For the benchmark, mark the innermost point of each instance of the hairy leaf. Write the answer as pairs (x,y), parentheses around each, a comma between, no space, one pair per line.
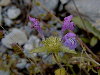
(87,26)
(93,41)
(65,49)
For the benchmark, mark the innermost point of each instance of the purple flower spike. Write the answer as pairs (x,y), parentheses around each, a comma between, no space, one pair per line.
(69,18)
(71,43)
(67,24)
(36,25)
(70,40)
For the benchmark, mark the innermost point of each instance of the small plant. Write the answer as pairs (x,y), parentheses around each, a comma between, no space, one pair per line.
(66,44)
(52,45)
(55,44)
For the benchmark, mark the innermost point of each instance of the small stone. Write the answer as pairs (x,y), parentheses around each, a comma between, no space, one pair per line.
(50,4)
(8,22)
(27,29)
(13,12)
(32,43)
(16,36)
(2,49)
(28,46)
(34,40)
(21,63)
(5,2)
(39,11)
(4,72)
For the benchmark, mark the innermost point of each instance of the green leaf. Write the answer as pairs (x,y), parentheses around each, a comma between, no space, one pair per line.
(38,50)
(65,49)
(60,71)
(93,41)
(87,26)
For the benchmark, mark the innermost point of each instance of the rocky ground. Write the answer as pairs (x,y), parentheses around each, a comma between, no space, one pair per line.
(15,28)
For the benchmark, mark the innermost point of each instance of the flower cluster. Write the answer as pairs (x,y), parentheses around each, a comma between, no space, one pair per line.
(53,44)
(67,24)
(70,40)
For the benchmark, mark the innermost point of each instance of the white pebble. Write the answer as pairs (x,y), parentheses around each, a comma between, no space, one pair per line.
(34,40)
(22,63)
(28,46)
(16,36)
(13,12)
(8,21)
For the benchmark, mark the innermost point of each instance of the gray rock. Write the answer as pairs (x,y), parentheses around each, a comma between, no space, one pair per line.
(50,4)
(38,10)
(27,29)
(2,49)
(90,9)
(21,63)
(13,12)
(34,40)
(4,72)
(5,2)
(64,1)
(8,21)
(28,47)
(16,36)
(31,44)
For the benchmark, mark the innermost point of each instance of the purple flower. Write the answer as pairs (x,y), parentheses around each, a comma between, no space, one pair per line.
(70,40)
(36,25)
(69,18)
(67,24)
(69,35)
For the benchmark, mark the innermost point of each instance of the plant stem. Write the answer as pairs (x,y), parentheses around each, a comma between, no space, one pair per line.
(54,55)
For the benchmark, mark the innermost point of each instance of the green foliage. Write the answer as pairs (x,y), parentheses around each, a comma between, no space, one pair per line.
(66,49)
(60,71)
(87,26)
(93,41)
(85,40)
(52,45)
